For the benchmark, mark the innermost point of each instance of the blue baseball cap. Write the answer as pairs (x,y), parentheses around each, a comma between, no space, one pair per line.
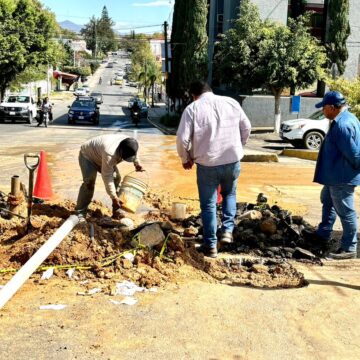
(332,98)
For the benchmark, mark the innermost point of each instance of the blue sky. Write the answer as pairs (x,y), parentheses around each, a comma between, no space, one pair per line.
(127,14)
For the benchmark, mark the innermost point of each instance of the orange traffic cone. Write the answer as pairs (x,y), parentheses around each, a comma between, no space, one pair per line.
(43,188)
(219,197)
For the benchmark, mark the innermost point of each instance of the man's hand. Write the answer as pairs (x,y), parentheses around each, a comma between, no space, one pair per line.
(116,203)
(188,165)
(138,167)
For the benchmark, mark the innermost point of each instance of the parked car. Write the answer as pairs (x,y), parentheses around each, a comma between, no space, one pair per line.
(98,97)
(84,110)
(144,109)
(80,92)
(110,65)
(306,132)
(18,107)
(87,89)
(118,80)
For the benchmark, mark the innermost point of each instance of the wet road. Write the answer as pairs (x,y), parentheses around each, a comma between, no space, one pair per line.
(289,182)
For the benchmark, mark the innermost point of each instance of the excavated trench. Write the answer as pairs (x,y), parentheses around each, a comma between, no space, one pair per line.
(267,240)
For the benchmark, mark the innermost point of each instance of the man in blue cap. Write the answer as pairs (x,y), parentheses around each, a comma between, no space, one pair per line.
(338,169)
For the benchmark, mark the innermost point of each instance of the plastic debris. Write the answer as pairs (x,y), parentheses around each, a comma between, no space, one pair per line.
(89,292)
(47,274)
(127,288)
(53,307)
(128,300)
(129,256)
(70,273)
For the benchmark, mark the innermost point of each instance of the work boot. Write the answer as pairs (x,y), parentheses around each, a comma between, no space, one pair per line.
(207,251)
(341,254)
(226,238)
(314,237)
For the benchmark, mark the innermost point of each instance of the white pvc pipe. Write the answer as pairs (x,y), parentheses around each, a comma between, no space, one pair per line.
(36,260)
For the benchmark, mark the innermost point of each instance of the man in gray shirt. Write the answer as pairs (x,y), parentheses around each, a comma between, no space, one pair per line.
(102,154)
(212,132)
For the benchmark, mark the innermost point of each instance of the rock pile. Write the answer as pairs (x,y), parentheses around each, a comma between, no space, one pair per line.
(266,231)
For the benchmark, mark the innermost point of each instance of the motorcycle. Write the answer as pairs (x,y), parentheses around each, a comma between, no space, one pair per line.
(135,117)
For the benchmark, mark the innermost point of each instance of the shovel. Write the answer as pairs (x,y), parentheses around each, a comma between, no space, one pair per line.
(31,162)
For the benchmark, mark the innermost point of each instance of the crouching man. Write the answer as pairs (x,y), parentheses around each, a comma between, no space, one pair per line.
(101,154)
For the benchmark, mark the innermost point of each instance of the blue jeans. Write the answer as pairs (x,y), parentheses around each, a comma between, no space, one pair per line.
(339,200)
(208,180)
(89,172)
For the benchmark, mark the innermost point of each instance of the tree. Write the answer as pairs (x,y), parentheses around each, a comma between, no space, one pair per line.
(145,69)
(89,32)
(106,34)
(26,30)
(189,42)
(339,31)
(99,35)
(260,53)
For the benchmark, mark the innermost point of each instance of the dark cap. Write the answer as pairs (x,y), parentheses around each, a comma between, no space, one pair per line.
(128,149)
(332,98)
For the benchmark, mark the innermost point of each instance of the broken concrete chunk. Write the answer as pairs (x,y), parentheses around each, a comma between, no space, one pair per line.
(252,215)
(175,242)
(151,235)
(191,231)
(300,253)
(268,226)
(127,223)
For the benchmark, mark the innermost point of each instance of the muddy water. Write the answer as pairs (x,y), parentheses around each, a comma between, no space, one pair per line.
(287,183)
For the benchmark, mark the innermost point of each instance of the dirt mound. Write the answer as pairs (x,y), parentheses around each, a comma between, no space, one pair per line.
(104,248)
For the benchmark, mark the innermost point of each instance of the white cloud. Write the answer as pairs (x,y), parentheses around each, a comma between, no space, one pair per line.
(155,3)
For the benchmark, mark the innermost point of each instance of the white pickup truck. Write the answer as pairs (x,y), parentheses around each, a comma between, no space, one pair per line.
(18,107)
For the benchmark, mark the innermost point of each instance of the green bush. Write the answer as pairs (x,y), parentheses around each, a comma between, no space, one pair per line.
(350,89)
(170,120)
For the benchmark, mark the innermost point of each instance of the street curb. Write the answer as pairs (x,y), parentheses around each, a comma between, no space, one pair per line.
(163,129)
(301,154)
(260,158)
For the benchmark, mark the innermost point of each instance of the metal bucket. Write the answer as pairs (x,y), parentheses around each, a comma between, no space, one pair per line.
(131,192)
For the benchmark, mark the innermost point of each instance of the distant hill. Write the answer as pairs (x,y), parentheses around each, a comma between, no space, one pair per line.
(68,25)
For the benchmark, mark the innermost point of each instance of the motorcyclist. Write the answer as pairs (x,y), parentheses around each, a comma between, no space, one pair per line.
(135,111)
(45,106)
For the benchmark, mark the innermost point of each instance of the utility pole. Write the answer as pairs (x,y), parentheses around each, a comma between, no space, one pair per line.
(166,63)
(145,91)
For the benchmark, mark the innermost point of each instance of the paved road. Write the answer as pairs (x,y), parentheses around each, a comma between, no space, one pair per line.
(61,141)
(114,113)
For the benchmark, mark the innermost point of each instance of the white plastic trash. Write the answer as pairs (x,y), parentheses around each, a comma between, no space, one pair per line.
(178,211)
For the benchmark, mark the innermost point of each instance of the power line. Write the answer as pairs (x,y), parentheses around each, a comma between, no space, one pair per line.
(137,27)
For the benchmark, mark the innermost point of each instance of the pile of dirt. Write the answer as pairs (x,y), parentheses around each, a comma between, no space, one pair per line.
(151,254)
